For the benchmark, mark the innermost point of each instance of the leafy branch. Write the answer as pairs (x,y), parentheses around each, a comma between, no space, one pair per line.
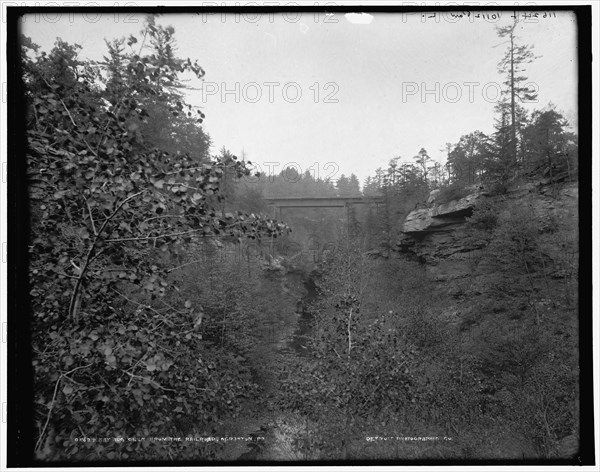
(75,296)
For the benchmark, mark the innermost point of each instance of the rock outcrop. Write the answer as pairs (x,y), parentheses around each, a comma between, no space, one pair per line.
(440,216)
(491,304)
(439,236)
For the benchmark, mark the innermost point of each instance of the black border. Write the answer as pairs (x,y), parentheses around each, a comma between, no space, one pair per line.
(20,440)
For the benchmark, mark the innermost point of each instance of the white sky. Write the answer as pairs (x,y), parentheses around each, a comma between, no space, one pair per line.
(372,69)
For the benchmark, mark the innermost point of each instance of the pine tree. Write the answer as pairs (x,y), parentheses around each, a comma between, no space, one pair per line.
(512,66)
(354,186)
(343,186)
(423,161)
(547,142)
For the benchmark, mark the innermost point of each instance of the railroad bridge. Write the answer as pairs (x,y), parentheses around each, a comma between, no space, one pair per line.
(314,250)
(276,205)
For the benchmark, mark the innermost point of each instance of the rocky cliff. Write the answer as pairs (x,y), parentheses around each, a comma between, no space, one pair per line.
(439,236)
(504,268)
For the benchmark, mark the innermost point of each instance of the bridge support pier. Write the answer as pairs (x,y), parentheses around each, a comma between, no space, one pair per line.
(275,212)
(347,208)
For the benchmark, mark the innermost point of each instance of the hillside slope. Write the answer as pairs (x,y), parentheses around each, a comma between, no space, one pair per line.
(505,268)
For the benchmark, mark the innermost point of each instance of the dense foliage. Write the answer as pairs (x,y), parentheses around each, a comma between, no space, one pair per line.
(164,301)
(115,207)
(490,362)
(489,359)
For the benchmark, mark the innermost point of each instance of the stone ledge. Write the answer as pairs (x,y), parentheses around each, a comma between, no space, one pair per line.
(440,216)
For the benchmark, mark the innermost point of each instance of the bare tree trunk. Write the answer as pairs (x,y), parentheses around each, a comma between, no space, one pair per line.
(512,100)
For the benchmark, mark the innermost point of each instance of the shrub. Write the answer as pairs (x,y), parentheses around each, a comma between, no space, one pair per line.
(485,216)
(452,192)
(498,188)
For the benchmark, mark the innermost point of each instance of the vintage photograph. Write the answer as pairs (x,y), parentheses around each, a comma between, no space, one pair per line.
(299,235)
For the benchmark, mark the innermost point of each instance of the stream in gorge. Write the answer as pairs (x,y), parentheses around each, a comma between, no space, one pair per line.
(289,339)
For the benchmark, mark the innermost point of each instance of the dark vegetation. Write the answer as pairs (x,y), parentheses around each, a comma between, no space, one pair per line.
(118,210)
(493,365)
(143,325)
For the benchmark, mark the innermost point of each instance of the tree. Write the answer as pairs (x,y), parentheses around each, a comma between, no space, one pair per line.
(422,160)
(342,186)
(354,186)
(546,143)
(110,218)
(436,171)
(150,67)
(467,159)
(401,186)
(512,65)
(370,187)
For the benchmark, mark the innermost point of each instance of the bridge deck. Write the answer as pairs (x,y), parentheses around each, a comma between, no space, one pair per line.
(320,202)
